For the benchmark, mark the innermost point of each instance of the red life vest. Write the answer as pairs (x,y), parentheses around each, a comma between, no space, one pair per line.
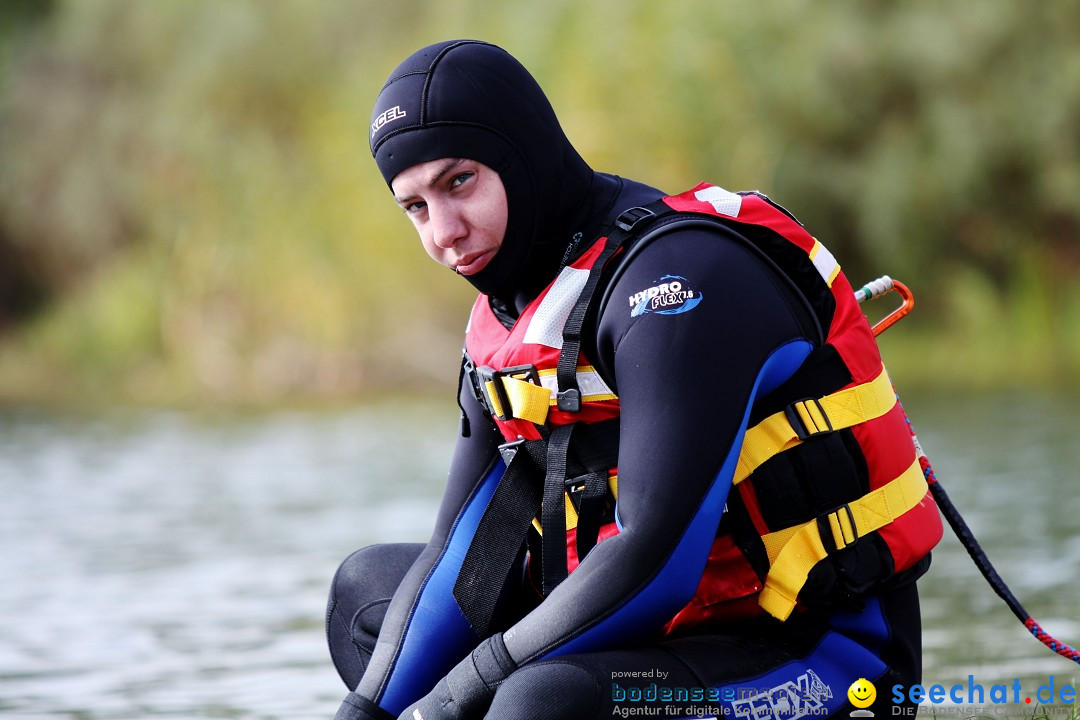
(870,517)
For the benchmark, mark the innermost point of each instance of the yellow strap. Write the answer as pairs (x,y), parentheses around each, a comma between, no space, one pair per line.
(842,409)
(528,401)
(794,551)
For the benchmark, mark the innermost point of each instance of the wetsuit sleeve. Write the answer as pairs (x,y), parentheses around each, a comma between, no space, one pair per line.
(424,633)
(685,381)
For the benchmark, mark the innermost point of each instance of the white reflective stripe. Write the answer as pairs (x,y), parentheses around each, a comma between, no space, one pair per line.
(824,262)
(723,201)
(546,326)
(590,383)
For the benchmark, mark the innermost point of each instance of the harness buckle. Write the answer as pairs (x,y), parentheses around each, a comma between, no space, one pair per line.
(632,217)
(491,378)
(568,400)
(469,368)
(798,420)
(828,538)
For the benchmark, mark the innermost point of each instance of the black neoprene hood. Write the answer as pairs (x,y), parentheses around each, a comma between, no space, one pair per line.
(469,99)
(433,107)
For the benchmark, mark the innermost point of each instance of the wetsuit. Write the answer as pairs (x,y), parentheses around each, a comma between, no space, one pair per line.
(591,648)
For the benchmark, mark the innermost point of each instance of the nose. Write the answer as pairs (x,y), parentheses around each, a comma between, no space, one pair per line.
(447,225)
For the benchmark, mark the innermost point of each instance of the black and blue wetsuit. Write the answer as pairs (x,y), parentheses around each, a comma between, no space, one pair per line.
(685,382)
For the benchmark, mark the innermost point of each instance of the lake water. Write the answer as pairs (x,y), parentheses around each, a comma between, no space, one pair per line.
(172,565)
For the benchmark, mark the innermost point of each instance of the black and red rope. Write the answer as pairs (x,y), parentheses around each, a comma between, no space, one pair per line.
(982,562)
(877,288)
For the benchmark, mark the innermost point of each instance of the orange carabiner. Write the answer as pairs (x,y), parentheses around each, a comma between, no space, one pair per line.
(881,286)
(891,319)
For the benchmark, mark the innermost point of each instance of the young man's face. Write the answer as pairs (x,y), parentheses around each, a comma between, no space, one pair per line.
(459,208)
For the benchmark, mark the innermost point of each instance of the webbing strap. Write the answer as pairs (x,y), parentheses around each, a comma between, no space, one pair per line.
(794,551)
(842,409)
(588,488)
(531,399)
(553,517)
(591,504)
(528,401)
(568,396)
(595,453)
(500,534)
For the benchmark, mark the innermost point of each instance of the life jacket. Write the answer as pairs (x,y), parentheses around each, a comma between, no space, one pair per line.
(829,502)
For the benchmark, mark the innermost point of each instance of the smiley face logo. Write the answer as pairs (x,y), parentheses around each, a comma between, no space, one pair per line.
(862,693)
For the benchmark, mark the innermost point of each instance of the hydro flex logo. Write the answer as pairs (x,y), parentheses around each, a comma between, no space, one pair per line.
(670,295)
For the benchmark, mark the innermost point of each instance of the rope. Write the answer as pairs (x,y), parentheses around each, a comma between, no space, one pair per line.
(959,526)
(1048,640)
(982,562)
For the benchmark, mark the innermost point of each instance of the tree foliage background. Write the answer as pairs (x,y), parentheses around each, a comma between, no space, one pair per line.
(189,213)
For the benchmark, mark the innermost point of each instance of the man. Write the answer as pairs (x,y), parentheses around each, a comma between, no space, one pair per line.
(683,485)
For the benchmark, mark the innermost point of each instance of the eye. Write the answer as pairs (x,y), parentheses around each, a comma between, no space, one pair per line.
(414,208)
(461,178)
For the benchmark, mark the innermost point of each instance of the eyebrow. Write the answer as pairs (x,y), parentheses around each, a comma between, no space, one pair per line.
(439,175)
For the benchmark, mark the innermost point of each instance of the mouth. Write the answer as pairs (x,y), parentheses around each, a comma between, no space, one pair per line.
(472,264)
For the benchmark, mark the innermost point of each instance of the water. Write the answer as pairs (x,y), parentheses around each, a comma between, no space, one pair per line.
(1011,465)
(161,564)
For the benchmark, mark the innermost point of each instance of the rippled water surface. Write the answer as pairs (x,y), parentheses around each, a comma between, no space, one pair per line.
(162,564)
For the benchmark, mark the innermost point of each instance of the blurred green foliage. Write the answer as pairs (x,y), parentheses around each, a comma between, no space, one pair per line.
(189,213)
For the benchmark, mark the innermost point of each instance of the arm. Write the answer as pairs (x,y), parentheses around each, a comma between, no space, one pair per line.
(424,633)
(685,382)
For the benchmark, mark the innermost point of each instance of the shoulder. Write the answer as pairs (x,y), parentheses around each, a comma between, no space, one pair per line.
(717,255)
(730,236)
(684,255)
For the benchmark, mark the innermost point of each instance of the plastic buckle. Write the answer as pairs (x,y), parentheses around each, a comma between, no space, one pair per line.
(487,375)
(474,380)
(490,375)
(568,400)
(795,420)
(828,540)
(630,218)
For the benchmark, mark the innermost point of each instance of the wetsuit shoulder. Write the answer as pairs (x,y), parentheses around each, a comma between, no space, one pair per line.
(682,268)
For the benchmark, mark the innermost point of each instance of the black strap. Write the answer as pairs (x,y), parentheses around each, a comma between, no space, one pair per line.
(568,397)
(500,534)
(596,447)
(463,372)
(591,505)
(553,514)
(504,525)
(595,451)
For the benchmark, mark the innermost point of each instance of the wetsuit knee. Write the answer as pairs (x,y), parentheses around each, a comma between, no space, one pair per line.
(359,596)
(548,690)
